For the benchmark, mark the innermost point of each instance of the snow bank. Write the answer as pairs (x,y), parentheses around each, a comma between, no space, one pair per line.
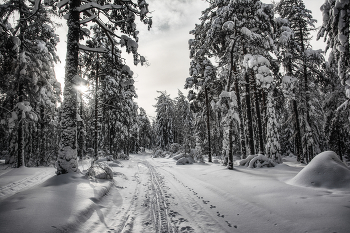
(56,205)
(326,170)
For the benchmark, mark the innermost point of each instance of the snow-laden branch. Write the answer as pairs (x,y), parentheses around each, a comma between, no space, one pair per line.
(87,19)
(35,10)
(62,3)
(95,50)
(100,23)
(95,5)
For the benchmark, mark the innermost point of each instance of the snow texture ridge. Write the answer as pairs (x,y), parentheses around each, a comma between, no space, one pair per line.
(326,170)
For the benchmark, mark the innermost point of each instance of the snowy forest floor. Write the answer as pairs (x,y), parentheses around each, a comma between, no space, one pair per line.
(156,195)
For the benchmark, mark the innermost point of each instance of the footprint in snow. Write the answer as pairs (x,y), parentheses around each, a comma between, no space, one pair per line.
(212,206)
(228,224)
(205,202)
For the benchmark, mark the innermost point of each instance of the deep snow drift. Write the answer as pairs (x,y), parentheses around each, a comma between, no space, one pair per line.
(326,170)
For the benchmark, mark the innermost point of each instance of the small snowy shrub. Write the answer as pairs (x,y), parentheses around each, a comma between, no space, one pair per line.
(185,160)
(257,161)
(100,171)
(174,147)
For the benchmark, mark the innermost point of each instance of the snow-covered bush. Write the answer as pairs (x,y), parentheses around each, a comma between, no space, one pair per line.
(185,160)
(257,161)
(175,147)
(122,156)
(100,170)
(179,156)
(161,154)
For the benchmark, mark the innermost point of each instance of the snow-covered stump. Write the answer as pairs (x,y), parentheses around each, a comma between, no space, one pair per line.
(257,161)
(100,170)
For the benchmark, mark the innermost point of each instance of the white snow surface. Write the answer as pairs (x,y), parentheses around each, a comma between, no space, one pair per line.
(325,170)
(199,197)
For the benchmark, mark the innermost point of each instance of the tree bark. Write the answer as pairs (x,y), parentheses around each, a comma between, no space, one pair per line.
(96,111)
(67,155)
(258,116)
(20,130)
(208,123)
(249,114)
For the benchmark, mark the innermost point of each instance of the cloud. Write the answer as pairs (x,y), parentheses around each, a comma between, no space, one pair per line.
(172,14)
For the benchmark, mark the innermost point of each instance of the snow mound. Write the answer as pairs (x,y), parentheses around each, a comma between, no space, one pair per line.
(100,171)
(257,161)
(185,160)
(326,170)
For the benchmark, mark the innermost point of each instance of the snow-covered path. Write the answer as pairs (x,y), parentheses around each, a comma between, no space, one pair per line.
(210,198)
(151,195)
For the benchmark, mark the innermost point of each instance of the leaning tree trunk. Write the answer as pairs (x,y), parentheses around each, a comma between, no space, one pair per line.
(208,123)
(67,154)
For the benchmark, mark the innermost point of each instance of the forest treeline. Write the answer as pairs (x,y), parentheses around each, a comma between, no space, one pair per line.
(257,86)
(37,128)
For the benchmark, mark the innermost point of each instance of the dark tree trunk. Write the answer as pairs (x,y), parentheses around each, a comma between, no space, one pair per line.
(80,130)
(20,130)
(42,136)
(297,128)
(258,116)
(96,111)
(67,155)
(208,123)
(249,114)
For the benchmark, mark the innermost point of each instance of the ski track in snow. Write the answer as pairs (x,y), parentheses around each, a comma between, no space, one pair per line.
(25,183)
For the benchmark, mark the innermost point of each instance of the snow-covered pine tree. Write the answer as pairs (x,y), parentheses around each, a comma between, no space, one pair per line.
(306,62)
(336,32)
(164,120)
(28,67)
(121,16)
(145,129)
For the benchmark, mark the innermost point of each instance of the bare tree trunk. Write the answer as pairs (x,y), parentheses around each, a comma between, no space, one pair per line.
(20,130)
(42,136)
(67,155)
(249,114)
(258,116)
(208,123)
(96,111)
(80,130)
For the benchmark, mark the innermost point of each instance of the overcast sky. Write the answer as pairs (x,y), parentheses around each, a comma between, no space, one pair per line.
(166,48)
